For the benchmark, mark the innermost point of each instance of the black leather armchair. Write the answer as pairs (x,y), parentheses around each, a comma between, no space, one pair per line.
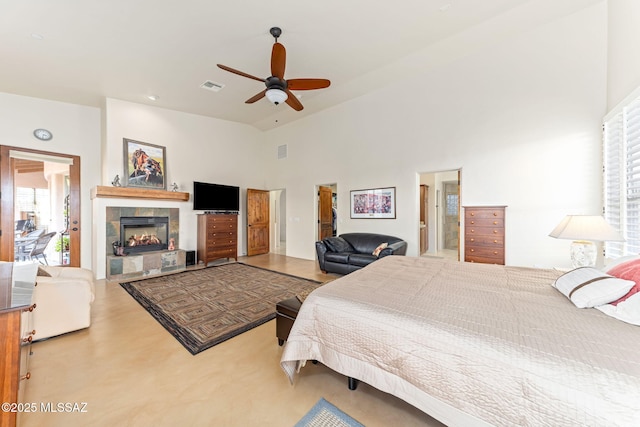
(352,251)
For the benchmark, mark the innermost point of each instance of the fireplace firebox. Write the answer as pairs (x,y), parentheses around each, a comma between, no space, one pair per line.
(144,233)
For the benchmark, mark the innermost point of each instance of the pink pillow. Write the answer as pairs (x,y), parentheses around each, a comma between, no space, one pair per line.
(629,270)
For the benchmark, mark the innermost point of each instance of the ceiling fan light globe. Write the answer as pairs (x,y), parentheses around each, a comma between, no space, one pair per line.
(276,96)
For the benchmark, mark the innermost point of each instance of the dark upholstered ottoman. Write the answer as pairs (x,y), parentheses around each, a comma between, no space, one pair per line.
(286,312)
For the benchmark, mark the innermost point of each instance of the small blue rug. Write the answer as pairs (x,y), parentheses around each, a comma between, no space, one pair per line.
(324,414)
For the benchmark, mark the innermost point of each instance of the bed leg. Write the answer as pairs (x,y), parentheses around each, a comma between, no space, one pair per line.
(280,342)
(353,383)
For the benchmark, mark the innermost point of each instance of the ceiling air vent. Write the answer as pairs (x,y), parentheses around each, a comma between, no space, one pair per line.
(209,85)
(282,152)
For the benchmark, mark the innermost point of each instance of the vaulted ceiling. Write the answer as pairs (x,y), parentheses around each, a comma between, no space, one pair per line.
(85,51)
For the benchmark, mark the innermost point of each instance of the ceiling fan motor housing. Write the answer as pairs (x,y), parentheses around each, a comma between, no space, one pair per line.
(275,83)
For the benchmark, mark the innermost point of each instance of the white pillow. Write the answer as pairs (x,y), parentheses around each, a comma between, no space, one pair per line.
(627,310)
(589,287)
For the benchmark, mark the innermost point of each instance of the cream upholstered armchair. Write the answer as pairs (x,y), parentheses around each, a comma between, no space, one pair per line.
(63,300)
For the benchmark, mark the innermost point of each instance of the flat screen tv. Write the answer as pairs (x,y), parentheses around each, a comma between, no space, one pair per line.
(215,197)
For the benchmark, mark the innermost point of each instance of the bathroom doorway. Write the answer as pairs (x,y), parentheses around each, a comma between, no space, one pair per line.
(439,223)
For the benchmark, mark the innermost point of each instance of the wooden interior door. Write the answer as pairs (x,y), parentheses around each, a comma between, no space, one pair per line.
(7,216)
(325,213)
(257,222)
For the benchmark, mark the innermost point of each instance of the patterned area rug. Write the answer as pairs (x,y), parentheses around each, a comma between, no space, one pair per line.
(325,414)
(202,308)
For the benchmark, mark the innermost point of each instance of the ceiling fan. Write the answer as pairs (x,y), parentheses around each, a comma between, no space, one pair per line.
(278,89)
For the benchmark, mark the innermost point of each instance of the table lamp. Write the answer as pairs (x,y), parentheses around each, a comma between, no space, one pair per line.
(584,230)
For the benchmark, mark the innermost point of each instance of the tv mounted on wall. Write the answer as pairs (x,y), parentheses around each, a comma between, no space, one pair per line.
(215,197)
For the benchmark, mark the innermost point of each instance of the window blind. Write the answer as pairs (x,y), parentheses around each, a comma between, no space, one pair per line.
(621,157)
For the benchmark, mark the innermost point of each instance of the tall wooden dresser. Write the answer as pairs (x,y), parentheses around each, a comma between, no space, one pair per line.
(484,232)
(217,237)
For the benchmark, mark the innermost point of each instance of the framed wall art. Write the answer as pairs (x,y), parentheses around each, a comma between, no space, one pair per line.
(373,203)
(144,165)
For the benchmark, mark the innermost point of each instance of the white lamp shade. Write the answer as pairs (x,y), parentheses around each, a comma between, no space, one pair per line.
(276,96)
(586,227)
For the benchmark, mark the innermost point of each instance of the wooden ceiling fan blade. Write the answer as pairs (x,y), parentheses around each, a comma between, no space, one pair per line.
(240,73)
(293,101)
(307,84)
(278,60)
(256,97)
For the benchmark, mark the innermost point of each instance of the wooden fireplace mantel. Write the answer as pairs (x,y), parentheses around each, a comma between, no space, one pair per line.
(138,193)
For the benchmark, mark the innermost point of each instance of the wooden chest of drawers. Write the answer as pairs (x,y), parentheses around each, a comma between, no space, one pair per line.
(484,234)
(217,237)
(15,340)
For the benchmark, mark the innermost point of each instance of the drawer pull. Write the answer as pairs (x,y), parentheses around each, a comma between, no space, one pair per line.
(495,241)
(495,214)
(472,250)
(495,252)
(472,231)
(473,213)
(473,222)
(473,240)
(495,231)
(495,222)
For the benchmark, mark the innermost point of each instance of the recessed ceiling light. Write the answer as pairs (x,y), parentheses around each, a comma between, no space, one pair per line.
(153,97)
(37,36)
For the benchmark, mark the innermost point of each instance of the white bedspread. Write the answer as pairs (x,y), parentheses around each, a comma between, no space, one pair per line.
(496,343)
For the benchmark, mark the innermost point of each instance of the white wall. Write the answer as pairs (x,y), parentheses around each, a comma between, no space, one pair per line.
(521,119)
(197,148)
(623,47)
(76,131)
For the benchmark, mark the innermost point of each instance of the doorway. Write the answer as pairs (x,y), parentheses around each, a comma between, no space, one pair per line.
(278,216)
(258,221)
(266,222)
(327,211)
(439,224)
(40,197)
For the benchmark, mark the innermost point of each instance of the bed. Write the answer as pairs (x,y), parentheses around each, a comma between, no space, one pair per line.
(472,344)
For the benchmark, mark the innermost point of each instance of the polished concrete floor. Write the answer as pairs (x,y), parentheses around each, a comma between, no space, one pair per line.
(131,372)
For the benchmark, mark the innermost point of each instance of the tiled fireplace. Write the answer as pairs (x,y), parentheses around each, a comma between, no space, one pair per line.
(109,204)
(144,233)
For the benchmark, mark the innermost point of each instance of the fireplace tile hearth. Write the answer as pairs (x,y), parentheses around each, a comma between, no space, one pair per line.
(145,264)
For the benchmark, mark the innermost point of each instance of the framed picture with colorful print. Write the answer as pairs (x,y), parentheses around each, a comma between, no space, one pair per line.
(373,203)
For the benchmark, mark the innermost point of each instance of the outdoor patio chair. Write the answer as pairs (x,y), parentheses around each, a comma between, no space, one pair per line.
(39,247)
(24,244)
